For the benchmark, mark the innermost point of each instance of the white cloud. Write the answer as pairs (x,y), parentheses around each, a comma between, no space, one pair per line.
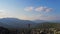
(29,8)
(42,8)
(1,10)
(48,9)
(3,14)
(39,9)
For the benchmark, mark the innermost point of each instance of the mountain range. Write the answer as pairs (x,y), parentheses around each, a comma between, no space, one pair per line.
(18,23)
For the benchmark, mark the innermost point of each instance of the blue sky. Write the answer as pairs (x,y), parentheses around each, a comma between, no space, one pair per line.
(30,9)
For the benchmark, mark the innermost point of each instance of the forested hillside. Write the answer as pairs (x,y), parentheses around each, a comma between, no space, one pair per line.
(48,25)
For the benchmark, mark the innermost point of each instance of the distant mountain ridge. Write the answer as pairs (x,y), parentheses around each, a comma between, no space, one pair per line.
(18,23)
(39,21)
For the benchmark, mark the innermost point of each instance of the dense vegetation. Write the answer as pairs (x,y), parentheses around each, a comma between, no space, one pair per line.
(39,25)
(48,25)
